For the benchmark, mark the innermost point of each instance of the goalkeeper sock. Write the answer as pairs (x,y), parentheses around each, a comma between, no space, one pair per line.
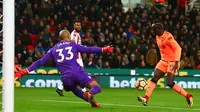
(84,89)
(149,90)
(179,90)
(60,87)
(95,89)
(79,93)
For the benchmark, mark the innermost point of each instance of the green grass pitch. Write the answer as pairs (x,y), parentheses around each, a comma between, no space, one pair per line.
(111,100)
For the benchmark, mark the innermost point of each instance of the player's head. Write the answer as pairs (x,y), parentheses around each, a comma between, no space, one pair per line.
(158,28)
(64,35)
(77,25)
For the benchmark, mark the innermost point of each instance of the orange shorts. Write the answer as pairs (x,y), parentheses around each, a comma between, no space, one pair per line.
(166,66)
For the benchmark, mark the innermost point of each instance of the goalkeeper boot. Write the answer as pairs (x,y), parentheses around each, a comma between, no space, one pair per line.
(60,92)
(143,100)
(95,104)
(90,97)
(189,99)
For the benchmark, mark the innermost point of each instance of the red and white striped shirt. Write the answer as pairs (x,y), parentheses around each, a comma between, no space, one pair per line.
(77,39)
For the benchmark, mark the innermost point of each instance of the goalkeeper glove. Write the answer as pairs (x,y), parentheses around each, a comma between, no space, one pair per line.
(107,49)
(21,73)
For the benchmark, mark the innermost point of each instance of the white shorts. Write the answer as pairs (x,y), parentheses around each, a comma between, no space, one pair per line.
(80,62)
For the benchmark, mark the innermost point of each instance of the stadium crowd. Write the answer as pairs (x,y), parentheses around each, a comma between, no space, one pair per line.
(38,23)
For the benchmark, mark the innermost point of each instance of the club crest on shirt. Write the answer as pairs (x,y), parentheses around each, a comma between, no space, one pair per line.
(169,38)
(162,46)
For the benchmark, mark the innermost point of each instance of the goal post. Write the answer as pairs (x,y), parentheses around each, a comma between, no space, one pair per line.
(8,55)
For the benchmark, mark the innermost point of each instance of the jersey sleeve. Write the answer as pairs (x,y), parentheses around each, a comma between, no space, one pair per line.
(83,49)
(175,46)
(41,61)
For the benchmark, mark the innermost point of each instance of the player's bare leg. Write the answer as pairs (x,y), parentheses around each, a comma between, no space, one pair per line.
(151,86)
(94,89)
(178,89)
(59,89)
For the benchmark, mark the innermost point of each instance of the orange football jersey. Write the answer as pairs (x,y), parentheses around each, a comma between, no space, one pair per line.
(169,48)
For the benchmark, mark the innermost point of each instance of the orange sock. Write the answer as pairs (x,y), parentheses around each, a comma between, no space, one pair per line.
(180,90)
(150,89)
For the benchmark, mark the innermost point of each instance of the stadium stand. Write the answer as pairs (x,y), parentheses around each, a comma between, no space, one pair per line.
(38,23)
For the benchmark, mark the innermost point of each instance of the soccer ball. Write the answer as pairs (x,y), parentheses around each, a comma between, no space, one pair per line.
(141,84)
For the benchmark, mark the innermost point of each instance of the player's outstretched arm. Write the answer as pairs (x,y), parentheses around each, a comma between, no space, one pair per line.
(83,49)
(35,65)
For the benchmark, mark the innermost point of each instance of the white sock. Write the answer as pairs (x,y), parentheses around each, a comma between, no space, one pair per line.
(60,86)
(84,89)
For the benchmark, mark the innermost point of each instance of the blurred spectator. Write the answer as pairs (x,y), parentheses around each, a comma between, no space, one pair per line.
(184,60)
(142,63)
(21,25)
(172,4)
(138,9)
(17,66)
(40,39)
(39,47)
(107,65)
(151,57)
(198,63)
(137,53)
(125,59)
(37,55)
(123,64)
(99,63)
(29,10)
(198,19)
(190,64)
(52,26)
(33,28)
(90,63)
(117,61)
(133,63)
(19,46)
(181,5)
(193,15)
(20,59)
(26,38)
(29,60)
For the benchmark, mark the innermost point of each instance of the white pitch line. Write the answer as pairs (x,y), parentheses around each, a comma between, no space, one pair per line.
(125,105)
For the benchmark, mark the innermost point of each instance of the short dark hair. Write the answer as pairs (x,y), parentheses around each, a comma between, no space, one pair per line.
(157,25)
(77,21)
